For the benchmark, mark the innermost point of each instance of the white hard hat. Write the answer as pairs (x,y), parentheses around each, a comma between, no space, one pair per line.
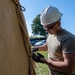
(50,15)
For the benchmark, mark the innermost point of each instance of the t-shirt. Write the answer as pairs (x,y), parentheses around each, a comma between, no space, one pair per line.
(64,42)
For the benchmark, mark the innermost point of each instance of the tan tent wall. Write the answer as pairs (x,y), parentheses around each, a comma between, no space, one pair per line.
(15,50)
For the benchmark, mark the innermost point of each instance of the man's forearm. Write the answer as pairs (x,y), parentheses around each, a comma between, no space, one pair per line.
(59,65)
(43,47)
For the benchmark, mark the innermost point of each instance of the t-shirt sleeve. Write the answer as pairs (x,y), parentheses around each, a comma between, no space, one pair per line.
(68,45)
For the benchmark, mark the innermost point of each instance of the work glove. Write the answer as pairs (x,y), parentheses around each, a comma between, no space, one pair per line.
(35,49)
(36,57)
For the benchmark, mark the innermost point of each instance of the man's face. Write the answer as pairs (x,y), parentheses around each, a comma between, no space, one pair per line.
(50,28)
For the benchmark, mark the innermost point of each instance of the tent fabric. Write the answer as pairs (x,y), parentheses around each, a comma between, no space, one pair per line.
(15,50)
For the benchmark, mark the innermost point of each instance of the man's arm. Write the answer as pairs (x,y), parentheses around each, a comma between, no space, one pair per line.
(65,66)
(43,47)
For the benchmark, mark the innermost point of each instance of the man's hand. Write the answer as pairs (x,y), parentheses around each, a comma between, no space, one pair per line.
(37,56)
(34,49)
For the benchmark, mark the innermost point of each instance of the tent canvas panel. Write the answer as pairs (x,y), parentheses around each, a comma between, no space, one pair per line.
(14,59)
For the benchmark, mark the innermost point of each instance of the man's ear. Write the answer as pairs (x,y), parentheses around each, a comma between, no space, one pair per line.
(58,23)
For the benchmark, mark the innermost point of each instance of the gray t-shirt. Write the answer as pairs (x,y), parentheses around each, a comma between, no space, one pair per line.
(62,43)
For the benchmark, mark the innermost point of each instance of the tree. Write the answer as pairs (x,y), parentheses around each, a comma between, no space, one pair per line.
(37,28)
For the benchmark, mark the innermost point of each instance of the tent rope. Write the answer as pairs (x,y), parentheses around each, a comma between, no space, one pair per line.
(25,35)
(23,28)
(18,4)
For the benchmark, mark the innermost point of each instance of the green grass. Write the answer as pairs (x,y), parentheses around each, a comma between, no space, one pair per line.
(41,69)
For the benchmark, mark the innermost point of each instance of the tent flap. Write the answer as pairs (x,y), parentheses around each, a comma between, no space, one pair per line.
(15,50)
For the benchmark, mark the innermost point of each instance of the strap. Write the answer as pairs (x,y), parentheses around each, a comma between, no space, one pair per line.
(16,2)
(22,24)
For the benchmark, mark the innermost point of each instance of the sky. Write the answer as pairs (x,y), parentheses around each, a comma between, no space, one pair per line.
(35,7)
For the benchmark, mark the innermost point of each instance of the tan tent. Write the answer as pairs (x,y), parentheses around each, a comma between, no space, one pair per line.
(15,50)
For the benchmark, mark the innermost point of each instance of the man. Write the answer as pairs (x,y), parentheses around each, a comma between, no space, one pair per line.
(60,44)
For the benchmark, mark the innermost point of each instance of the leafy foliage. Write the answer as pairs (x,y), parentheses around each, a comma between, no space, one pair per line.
(37,28)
